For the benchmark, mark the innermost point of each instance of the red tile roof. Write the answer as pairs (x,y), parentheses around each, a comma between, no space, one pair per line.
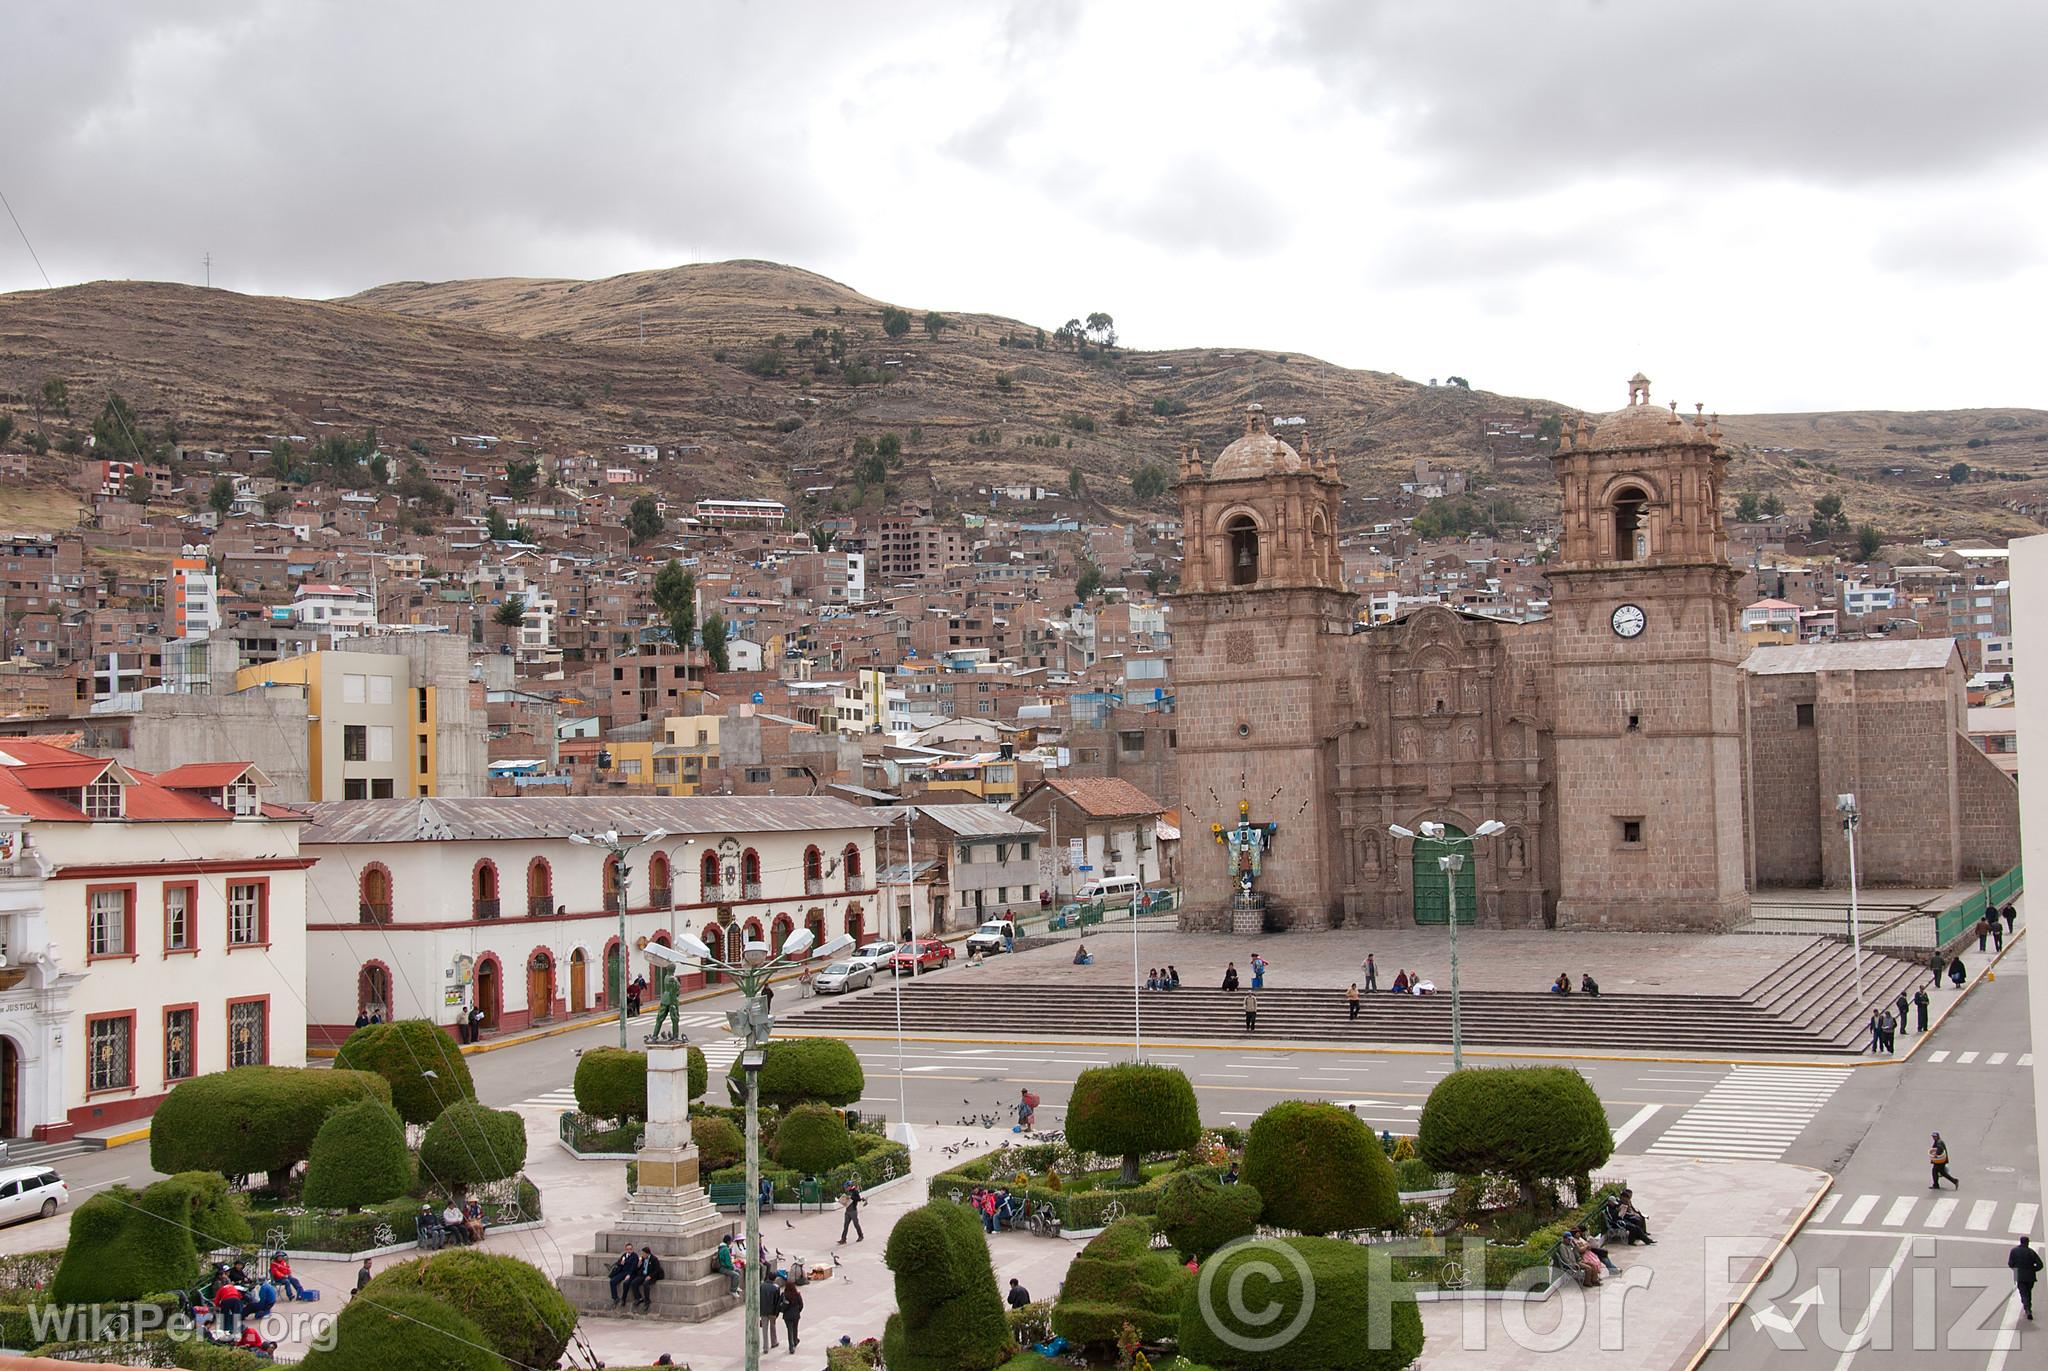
(202,775)
(36,778)
(1106,797)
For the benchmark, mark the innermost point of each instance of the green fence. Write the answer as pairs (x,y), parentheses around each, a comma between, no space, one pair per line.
(1957,920)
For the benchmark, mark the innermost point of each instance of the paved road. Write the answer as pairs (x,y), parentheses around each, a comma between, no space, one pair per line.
(1908,1276)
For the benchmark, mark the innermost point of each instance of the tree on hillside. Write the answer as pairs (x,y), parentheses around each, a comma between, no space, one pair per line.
(1868,542)
(1150,481)
(1458,381)
(715,634)
(1075,482)
(1771,505)
(1959,473)
(495,526)
(380,469)
(1828,518)
(822,538)
(675,599)
(895,322)
(1746,507)
(117,433)
(6,429)
(935,323)
(511,614)
(521,475)
(1102,329)
(1089,582)
(55,397)
(644,520)
(889,447)
(221,498)
(136,488)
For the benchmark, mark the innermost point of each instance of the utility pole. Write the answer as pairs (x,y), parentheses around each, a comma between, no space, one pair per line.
(208,261)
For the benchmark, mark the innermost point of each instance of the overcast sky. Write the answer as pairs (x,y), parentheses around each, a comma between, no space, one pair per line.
(1765,205)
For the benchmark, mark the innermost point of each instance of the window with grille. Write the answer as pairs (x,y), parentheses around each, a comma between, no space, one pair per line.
(177,918)
(242,800)
(248,1033)
(109,1047)
(177,1044)
(103,799)
(355,743)
(245,914)
(107,923)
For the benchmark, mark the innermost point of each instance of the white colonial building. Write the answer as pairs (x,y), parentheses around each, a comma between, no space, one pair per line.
(423,908)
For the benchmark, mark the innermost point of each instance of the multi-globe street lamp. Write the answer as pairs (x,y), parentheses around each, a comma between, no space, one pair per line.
(1450,863)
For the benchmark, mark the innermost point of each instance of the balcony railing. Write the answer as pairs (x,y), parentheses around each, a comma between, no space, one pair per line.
(713,894)
(374,913)
(484,909)
(856,882)
(660,896)
(750,890)
(814,885)
(539,905)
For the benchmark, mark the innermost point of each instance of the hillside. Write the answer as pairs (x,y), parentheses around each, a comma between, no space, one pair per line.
(773,372)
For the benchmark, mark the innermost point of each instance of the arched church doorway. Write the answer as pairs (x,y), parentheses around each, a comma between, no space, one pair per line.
(10,1089)
(1432,895)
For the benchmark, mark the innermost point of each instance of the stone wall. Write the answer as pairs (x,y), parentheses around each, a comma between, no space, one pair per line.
(1990,819)
(1784,782)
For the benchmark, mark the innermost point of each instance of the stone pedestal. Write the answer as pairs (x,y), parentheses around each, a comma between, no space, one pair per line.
(669,1212)
(1247,914)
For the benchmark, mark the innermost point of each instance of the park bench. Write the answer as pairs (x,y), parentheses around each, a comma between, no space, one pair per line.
(728,1194)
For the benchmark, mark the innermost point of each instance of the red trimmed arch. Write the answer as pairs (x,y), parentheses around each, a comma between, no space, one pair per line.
(373,892)
(484,890)
(849,862)
(604,998)
(707,877)
(814,869)
(815,921)
(856,921)
(779,930)
(375,988)
(750,869)
(540,959)
(661,892)
(540,887)
(753,933)
(488,991)
(715,937)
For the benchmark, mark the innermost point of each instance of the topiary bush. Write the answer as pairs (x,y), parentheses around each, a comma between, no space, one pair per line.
(402,1052)
(1318,1169)
(700,1073)
(359,1157)
(1532,1123)
(611,1083)
(471,1144)
(404,1328)
(719,1143)
(1119,1278)
(253,1118)
(524,1319)
(803,1070)
(949,1316)
(126,1244)
(1350,1317)
(1130,1109)
(812,1138)
(1199,1214)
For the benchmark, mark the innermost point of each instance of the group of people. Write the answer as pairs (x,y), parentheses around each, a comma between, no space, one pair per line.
(633,1277)
(780,1297)
(1230,977)
(1886,1021)
(1162,978)
(998,1208)
(1587,985)
(454,1224)
(227,1307)
(1989,926)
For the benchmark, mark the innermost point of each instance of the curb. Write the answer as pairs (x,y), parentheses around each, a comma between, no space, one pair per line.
(1735,1306)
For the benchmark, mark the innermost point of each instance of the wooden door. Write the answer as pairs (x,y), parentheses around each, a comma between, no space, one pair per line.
(487,992)
(576,990)
(539,992)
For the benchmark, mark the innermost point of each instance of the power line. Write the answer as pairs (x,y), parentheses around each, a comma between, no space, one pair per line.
(24,239)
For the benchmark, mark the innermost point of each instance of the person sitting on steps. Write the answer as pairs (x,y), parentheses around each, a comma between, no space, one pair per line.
(1082,957)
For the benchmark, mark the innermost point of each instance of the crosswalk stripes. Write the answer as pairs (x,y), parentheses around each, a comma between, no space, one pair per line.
(1979,1058)
(1944,1213)
(1753,1113)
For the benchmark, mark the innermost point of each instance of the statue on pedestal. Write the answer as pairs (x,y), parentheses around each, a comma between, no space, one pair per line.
(671,1012)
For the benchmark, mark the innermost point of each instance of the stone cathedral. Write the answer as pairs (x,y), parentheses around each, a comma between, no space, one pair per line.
(1646,775)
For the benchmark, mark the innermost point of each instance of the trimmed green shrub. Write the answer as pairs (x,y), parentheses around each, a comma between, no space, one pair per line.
(252,1118)
(611,1083)
(812,1138)
(949,1316)
(719,1144)
(205,1356)
(359,1158)
(1319,1169)
(1350,1320)
(1119,1278)
(700,1073)
(128,1244)
(404,1328)
(402,1052)
(1532,1123)
(1130,1109)
(1200,1214)
(802,1070)
(524,1319)
(217,1216)
(470,1144)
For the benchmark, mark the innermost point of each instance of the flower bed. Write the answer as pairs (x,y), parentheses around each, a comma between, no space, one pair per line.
(1083,1198)
(1438,1241)
(591,1137)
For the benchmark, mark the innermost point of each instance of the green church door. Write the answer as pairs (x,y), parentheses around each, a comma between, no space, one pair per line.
(614,979)
(1432,900)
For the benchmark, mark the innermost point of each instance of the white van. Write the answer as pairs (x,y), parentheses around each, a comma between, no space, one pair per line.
(31,1192)
(1113,892)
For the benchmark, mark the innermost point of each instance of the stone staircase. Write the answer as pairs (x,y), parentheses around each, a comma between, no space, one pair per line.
(1805,1006)
(692,1290)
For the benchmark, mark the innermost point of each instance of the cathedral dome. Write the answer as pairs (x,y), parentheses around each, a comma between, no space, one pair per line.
(1641,424)
(1258,453)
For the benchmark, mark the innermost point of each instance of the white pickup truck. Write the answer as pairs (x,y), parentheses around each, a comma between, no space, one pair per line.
(993,936)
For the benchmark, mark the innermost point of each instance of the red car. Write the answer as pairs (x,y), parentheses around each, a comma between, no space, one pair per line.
(930,954)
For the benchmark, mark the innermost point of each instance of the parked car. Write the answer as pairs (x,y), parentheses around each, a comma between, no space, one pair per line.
(993,936)
(929,954)
(31,1192)
(872,954)
(843,976)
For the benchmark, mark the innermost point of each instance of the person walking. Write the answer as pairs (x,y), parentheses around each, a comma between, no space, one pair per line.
(771,1305)
(1997,931)
(2008,913)
(1957,972)
(2026,1269)
(792,1309)
(850,1203)
(1940,965)
(1920,1010)
(1983,931)
(1372,973)
(1351,999)
(362,1277)
(1937,1158)
(1887,1032)
(1251,1012)
(1258,972)
(1900,1005)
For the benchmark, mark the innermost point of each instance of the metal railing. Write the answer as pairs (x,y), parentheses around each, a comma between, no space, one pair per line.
(484,909)
(372,912)
(658,896)
(714,894)
(539,905)
(750,890)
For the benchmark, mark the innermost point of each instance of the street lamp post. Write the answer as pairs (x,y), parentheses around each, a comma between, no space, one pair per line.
(1450,863)
(1852,819)
(751,972)
(620,850)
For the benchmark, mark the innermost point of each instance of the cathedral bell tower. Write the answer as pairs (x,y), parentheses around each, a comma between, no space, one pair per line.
(1261,596)
(1646,657)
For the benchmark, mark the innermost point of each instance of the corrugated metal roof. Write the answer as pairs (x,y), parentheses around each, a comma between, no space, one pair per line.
(977,821)
(521,817)
(1913,654)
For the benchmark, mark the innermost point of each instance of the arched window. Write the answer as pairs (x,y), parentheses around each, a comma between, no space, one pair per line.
(540,888)
(856,922)
(708,888)
(660,892)
(753,933)
(483,890)
(1244,550)
(613,896)
(849,862)
(1631,538)
(779,931)
(814,871)
(815,921)
(714,943)
(750,875)
(376,894)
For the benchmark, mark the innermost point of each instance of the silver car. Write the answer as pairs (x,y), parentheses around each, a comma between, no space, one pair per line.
(31,1192)
(841,977)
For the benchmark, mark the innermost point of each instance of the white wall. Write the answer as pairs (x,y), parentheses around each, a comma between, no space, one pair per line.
(2030,675)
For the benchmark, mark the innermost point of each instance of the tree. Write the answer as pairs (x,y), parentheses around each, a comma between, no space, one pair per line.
(513,1303)
(1771,505)
(1150,481)
(137,487)
(1131,1109)
(1827,517)
(495,526)
(1531,1123)
(359,1158)
(812,1139)
(424,1068)
(404,1328)
(715,634)
(1089,582)
(221,498)
(1319,1169)
(117,434)
(718,1140)
(472,1145)
(611,1083)
(252,1118)
(1102,328)
(1868,542)
(1746,507)
(6,428)
(1458,381)
(511,614)
(949,1316)
(1076,483)
(889,447)
(802,1070)
(127,1245)
(380,469)
(675,599)
(935,323)
(1959,473)
(521,476)
(895,322)
(1326,1291)
(276,502)
(643,520)
(1119,1278)
(56,397)
(1200,1215)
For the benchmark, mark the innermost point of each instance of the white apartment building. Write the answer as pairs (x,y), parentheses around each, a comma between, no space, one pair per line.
(1861,599)
(334,607)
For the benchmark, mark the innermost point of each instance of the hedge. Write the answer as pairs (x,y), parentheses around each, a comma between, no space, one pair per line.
(126,1244)
(1319,1169)
(611,1083)
(252,1118)
(1533,1123)
(1131,1109)
(884,1163)
(812,1138)
(949,1315)
(1199,1214)
(1328,1283)
(1077,1210)
(380,1330)
(348,1233)
(1117,1279)
(470,1144)
(719,1143)
(402,1052)
(801,1070)
(155,1349)
(359,1158)
(1503,1261)
(523,1317)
